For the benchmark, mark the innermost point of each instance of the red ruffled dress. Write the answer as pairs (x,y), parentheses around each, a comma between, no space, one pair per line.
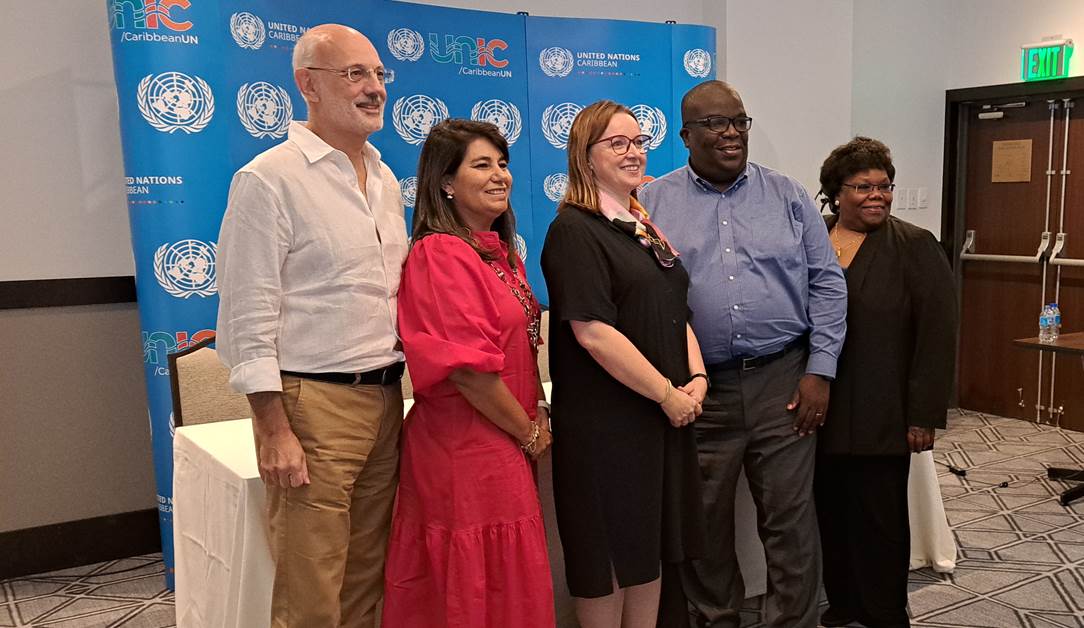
(467,547)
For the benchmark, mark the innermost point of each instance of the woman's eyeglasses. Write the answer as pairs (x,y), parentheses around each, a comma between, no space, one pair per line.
(620,143)
(865,189)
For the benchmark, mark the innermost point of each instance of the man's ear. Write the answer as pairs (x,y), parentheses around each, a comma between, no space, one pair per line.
(306,85)
(684,133)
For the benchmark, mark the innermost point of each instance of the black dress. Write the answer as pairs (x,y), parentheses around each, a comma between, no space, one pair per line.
(895,371)
(626,483)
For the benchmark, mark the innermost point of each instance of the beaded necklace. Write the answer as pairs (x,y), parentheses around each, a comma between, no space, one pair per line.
(526,299)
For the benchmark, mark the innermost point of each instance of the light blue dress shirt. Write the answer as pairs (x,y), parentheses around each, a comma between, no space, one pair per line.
(761,268)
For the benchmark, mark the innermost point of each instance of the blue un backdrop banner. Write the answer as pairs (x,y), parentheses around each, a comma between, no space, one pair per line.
(205,86)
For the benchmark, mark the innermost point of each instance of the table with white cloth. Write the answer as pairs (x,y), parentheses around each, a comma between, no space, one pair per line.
(224,569)
(223,562)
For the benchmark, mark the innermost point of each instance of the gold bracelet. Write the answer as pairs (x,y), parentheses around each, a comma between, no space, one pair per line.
(669,387)
(535,432)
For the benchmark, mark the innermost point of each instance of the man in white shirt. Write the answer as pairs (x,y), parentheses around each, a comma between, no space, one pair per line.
(309,259)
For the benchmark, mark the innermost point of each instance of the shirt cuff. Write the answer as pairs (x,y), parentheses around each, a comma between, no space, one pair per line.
(259,375)
(821,364)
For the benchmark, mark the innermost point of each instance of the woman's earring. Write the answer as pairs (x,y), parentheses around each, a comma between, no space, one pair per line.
(837,202)
(448,193)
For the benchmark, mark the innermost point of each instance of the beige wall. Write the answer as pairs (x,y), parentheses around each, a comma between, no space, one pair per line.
(74,437)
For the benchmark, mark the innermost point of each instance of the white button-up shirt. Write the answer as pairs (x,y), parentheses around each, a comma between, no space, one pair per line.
(308,266)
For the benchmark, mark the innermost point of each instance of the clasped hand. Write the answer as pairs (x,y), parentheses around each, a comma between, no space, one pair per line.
(685,403)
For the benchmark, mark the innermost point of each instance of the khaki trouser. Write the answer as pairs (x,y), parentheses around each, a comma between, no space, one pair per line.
(328,538)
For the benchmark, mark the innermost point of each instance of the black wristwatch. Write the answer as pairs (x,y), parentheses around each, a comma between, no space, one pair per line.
(703,375)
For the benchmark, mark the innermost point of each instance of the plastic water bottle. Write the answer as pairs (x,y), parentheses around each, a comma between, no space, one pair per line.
(1046,317)
(1055,323)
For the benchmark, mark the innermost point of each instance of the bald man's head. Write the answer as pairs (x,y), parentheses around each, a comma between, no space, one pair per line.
(719,156)
(339,73)
(316,40)
(706,91)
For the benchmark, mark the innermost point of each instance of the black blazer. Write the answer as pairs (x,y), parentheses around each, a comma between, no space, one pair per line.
(897,364)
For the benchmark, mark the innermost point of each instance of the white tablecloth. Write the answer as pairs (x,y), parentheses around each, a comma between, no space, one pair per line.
(224,567)
(223,564)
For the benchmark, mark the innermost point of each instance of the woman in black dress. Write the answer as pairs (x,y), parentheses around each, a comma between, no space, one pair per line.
(628,379)
(892,387)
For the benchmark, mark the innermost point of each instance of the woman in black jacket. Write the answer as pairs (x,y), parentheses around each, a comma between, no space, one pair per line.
(891,390)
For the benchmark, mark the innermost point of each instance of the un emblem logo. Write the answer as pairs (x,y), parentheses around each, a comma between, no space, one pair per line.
(504,115)
(556,62)
(405,44)
(697,62)
(555,185)
(413,116)
(652,122)
(265,110)
(247,30)
(186,268)
(521,247)
(408,187)
(557,122)
(173,101)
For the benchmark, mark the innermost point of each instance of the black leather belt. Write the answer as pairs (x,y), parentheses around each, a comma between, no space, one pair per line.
(376,377)
(748,364)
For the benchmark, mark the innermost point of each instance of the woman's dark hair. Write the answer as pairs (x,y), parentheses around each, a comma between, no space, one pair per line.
(857,155)
(441,156)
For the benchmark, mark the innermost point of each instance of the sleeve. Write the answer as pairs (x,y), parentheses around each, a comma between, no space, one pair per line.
(577,274)
(252,245)
(827,307)
(447,316)
(933,312)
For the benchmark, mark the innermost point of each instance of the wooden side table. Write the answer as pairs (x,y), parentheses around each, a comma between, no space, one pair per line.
(1072,344)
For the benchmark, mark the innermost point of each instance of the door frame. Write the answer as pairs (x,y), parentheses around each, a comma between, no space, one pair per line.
(954,183)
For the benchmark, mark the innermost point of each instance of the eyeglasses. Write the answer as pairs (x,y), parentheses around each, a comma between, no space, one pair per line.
(719,124)
(865,189)
(358,73)
(620,143)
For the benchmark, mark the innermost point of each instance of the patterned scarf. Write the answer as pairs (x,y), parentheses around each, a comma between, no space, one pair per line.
(648,235)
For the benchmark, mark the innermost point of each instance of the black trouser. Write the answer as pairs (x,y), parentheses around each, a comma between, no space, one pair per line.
(865,536)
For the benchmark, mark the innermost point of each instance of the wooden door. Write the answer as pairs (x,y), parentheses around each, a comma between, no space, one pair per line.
(1009,206)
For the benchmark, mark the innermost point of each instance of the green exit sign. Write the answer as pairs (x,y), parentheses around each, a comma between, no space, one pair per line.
(1046,60)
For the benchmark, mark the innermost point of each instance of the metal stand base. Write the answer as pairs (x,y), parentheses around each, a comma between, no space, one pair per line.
(1076,475)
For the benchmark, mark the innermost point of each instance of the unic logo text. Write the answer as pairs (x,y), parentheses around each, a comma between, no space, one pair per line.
(146,17)
(466,50)
(158,344)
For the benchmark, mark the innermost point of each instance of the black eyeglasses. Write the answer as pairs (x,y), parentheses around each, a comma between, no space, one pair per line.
(719,124)
(358,73)
(620,143)
(865,189)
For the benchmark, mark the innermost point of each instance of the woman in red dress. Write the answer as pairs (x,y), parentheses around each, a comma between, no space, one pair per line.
(467,547)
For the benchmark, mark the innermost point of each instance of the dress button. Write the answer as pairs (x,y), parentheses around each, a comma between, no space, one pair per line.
(725,222)
(727,250)
(737,335)
(736,307)
(731,277)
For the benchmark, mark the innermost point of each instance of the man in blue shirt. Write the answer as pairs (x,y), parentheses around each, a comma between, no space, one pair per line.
(769,306)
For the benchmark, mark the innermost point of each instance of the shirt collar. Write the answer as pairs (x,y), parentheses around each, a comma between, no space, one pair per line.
(314,148)
(707,186)
(612,208)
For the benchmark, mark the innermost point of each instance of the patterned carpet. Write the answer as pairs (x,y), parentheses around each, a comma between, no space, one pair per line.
(128,592)
(1021,553)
